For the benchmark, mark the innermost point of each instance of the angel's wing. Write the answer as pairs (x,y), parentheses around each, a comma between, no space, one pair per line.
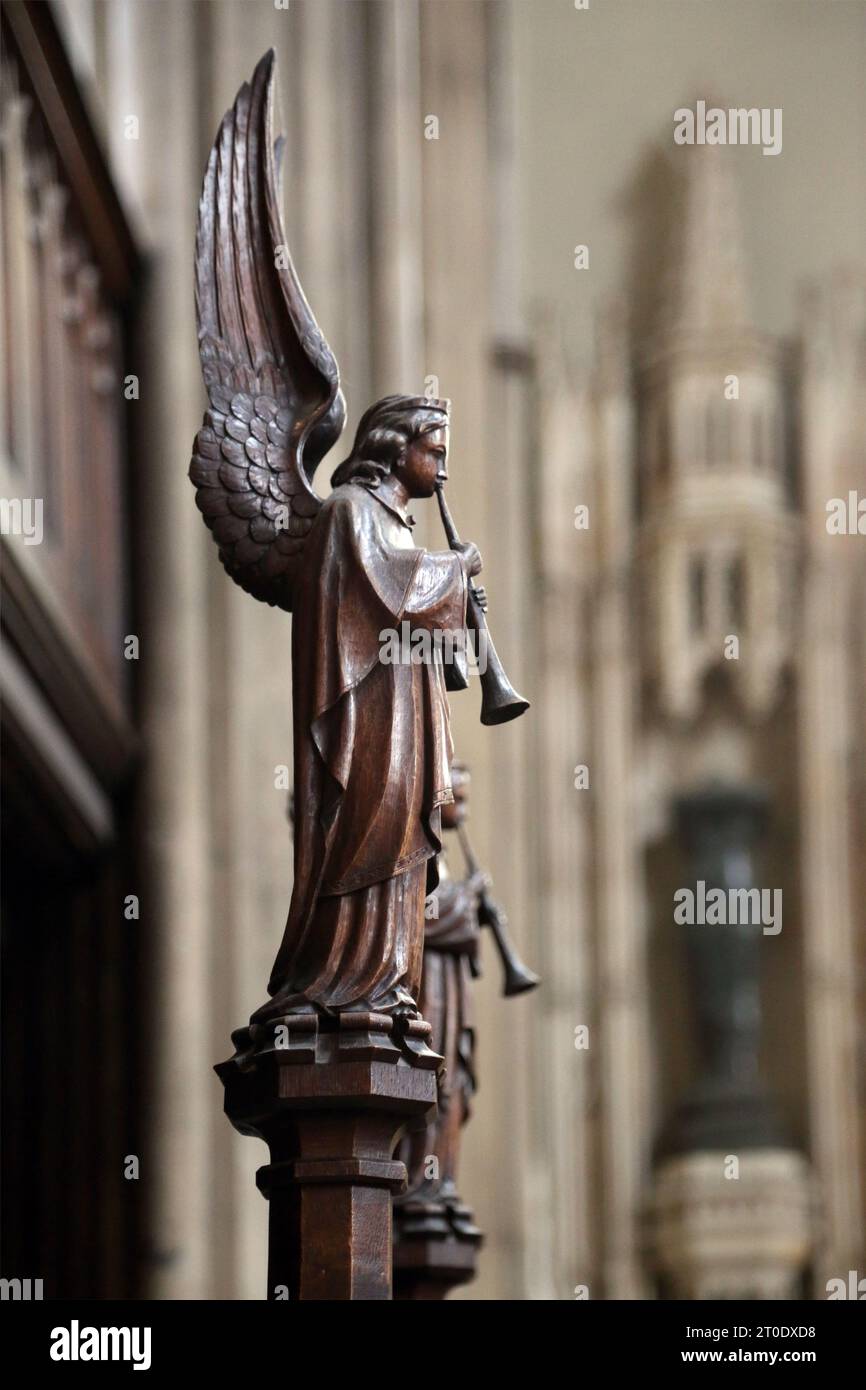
(273,383)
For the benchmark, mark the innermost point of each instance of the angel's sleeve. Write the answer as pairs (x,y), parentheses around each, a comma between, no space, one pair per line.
(437,594)
(457,924)
(393,584)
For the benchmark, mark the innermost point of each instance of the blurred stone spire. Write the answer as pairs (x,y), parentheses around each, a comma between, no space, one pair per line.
(707,279)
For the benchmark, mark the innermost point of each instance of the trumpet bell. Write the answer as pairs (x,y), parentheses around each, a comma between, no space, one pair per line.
(504,708)
(519,980)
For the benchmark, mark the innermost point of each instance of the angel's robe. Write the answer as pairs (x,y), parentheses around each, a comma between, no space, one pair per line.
(372,758)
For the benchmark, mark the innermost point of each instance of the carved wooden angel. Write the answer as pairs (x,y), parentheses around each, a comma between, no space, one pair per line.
(463,905)
(372,746)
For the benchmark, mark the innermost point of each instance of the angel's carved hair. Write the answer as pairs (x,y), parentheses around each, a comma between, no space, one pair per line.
(384,433)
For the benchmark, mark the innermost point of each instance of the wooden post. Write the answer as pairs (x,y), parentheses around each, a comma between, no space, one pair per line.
(435,1251)
(332,1107)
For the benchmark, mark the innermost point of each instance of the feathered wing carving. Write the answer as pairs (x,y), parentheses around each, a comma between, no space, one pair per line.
(272,381)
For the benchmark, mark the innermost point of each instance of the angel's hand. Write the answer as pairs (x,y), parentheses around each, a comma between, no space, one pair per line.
(471,556)
(480,596)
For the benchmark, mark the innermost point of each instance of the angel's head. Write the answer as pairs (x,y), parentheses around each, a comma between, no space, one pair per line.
(403,436)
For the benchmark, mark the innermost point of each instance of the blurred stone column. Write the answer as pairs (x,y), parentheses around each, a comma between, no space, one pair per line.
(831,399)
(396,160)
(624,1043)
(731,1208)
(508,1043)
(560,1167)
(151,62)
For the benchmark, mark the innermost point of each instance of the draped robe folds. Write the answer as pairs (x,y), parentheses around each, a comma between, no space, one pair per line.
(372,759)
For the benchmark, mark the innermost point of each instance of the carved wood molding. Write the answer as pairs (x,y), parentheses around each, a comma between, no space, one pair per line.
(69,274)
(38,43)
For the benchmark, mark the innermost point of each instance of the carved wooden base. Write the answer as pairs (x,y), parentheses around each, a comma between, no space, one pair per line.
(332,1107)
(436,1246)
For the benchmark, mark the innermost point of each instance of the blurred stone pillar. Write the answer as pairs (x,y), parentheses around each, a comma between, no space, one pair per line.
(396,159)
(621,1011)
(508,1045)
(832,396)
(731,1206)
(561,1248)
(151,62)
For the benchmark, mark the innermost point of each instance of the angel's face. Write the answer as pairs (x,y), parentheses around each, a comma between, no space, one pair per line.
(425,463)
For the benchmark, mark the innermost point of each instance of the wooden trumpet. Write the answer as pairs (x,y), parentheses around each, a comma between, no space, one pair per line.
(499,700)
(517,977)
